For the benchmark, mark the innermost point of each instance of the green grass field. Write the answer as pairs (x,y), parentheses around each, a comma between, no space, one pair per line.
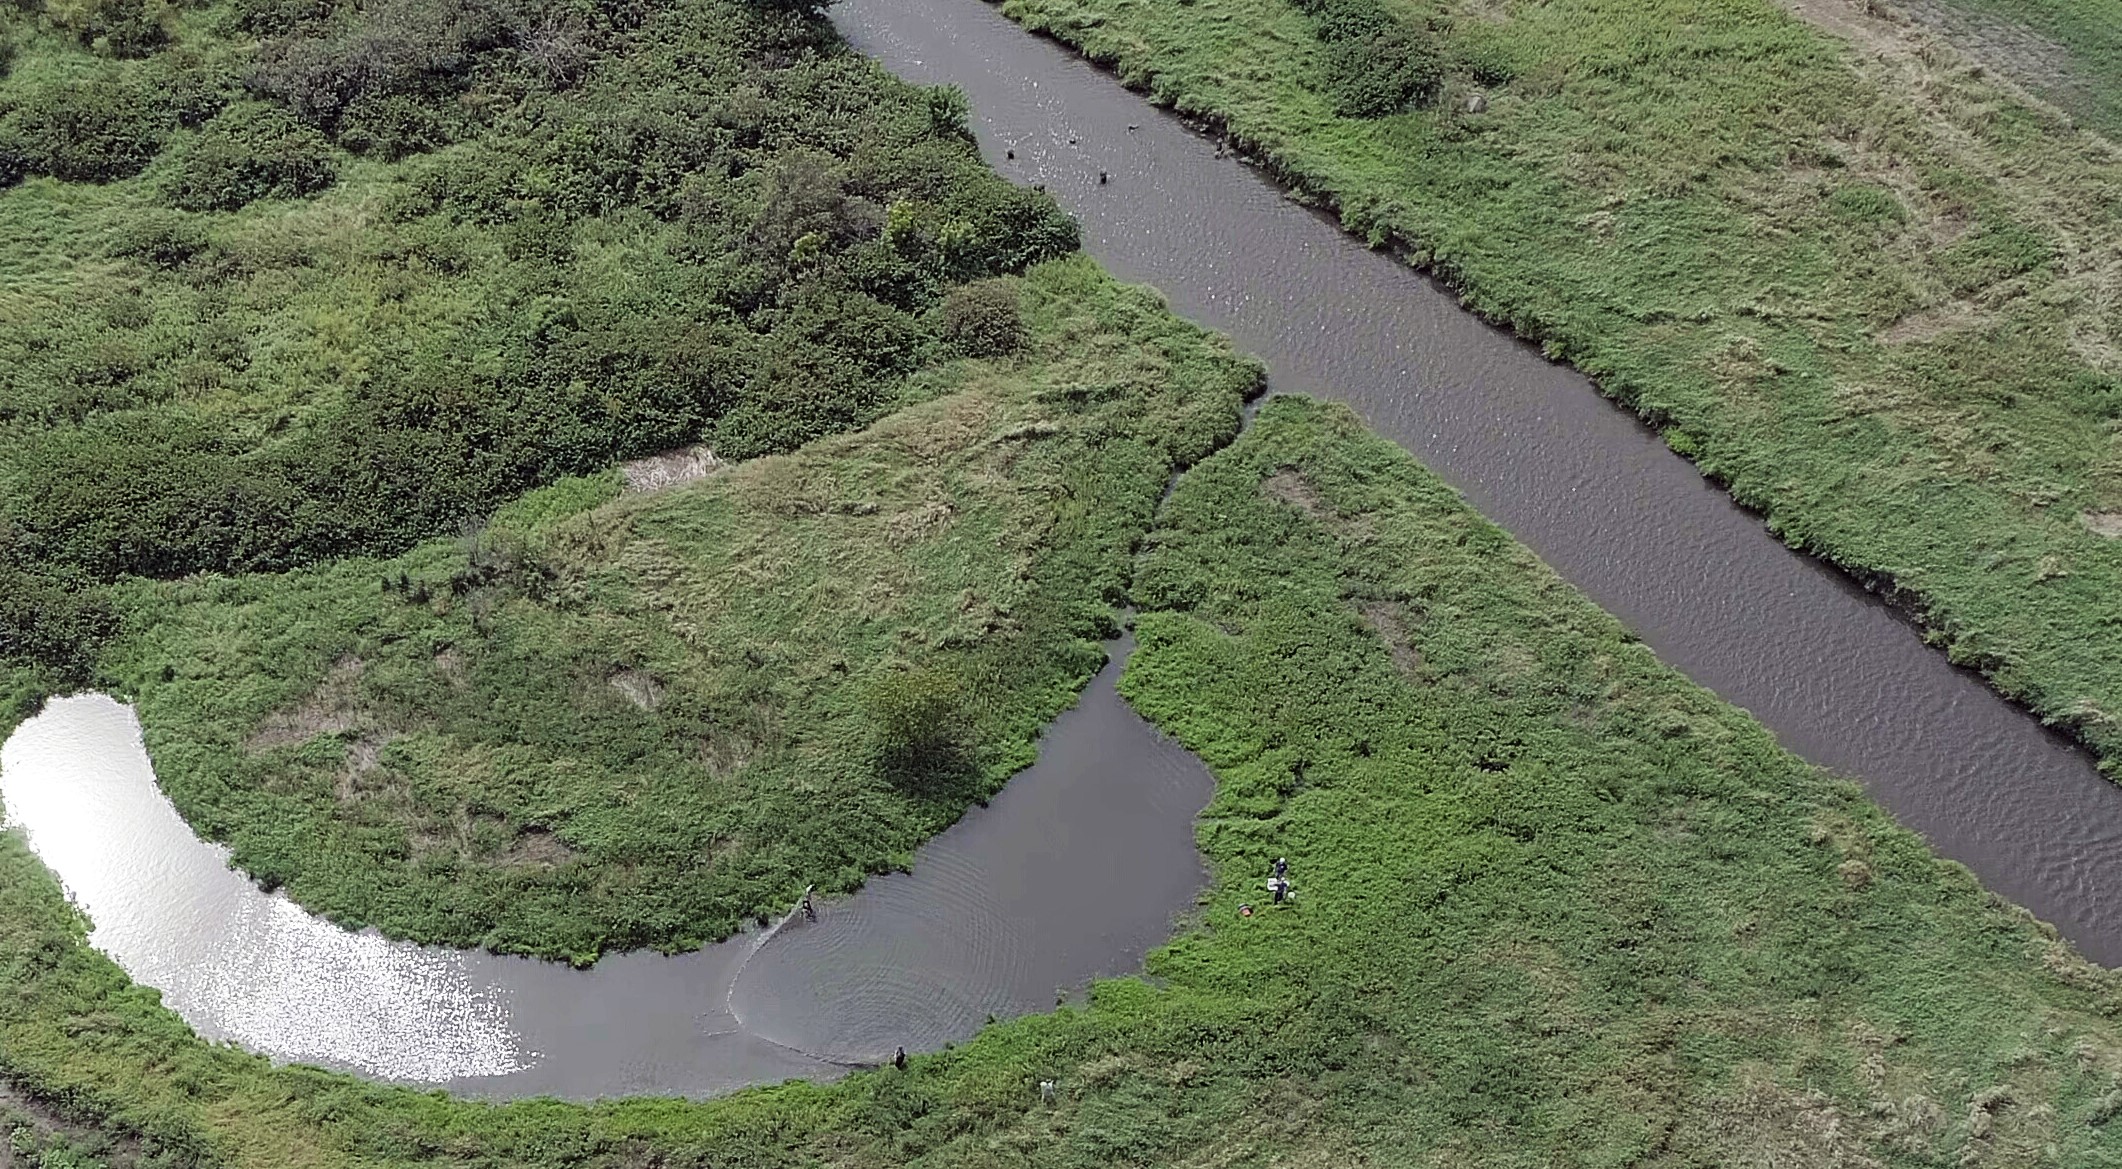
(1877,298)
(1556,906)
(609,722)
(2086,81)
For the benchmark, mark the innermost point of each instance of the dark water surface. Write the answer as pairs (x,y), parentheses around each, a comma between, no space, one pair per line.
(1839,678)
(1074,871)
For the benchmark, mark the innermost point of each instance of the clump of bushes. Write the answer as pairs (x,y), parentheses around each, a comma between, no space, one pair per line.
(251,151)
(113,28)
(85,131)
(160,239)
(53,622)
(984,318)
(780,308)
(350,76)
(918,725)
(1376,64)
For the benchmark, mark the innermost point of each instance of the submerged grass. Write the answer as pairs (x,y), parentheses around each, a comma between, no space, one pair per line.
(1873,294)
(609,721)
(1556,905)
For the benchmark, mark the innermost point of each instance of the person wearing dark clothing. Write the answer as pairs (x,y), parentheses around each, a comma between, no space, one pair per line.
(1281,866)
(899,1060)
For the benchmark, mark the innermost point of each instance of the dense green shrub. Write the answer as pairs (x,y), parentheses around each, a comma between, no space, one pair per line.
(391,126)
(759,305)
(190,84)
(160,239)
(329,71)
(984,318)
(86,131)
(53,622)
(1376,63)
(251,151)
(1380,75)
(114,28)
(918,724)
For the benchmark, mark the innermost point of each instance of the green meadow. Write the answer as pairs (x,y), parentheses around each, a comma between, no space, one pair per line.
(614,720)
(1556,905)
(2066,51)
(1874,295)
(562,477)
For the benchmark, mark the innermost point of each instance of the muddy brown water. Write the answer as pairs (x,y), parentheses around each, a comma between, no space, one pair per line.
(1074,871)
(1840,678)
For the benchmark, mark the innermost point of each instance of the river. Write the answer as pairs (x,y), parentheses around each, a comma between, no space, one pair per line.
(1072,872)
(1079,866)
(1839,677)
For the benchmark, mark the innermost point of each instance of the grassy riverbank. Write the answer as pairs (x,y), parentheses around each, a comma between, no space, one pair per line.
(2067,51)
(1874,296)
(611,721)
(1557,905)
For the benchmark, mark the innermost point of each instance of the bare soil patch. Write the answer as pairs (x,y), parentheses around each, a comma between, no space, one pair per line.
(1290,487)
(669,469)
(2103,523)
(638,687)
(1389,621)
(331,709)
(363,755)
(29,1129)
(536,848)
(1932,323)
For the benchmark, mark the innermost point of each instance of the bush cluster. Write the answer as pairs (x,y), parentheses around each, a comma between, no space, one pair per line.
(1376,63)
(802,259)
(250,151)
(113,28)
(85,131)
(984,318)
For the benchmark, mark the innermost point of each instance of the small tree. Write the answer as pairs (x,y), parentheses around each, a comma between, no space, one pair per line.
(983,319)
(918,725)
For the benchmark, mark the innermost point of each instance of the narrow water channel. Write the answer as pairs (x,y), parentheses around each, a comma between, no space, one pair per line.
(1073,872)
(1837,676)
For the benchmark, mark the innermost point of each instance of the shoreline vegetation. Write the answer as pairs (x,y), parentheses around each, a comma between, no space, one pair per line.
(1556,904)
(614,721)
(1871,296)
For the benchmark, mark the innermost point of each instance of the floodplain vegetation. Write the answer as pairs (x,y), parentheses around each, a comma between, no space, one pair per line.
(1867,287)
(1555,904)
(327,327)
(609,721)
(290,282)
